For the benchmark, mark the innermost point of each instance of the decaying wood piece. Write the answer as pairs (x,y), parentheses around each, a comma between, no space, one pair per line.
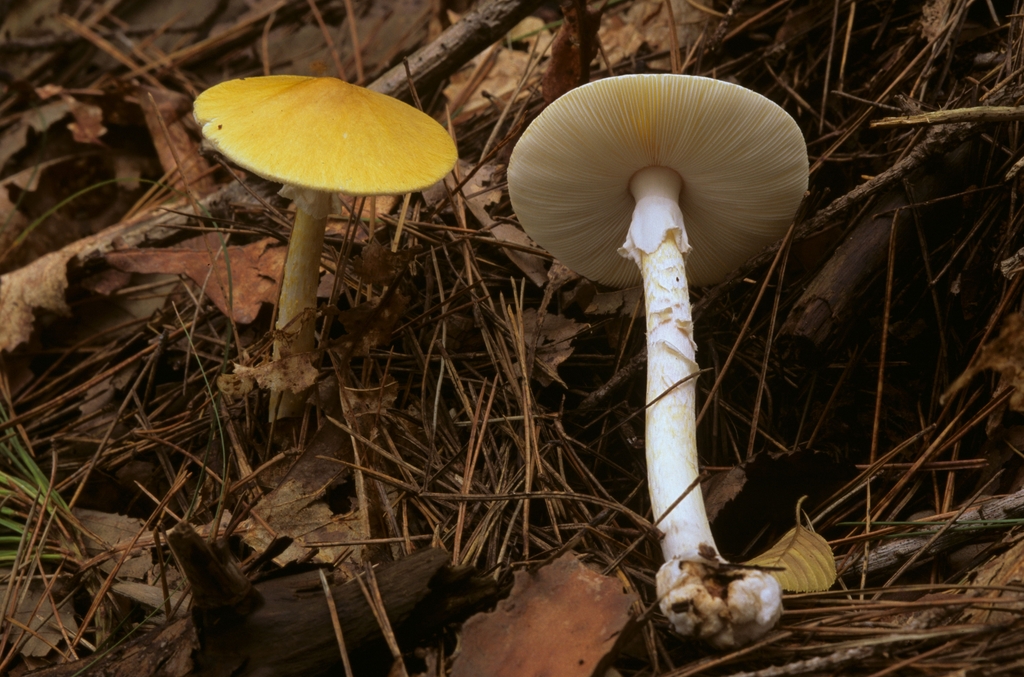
(830,300)
(889,556)
(599,396)
(455,47)
(944,117)
(288,632)
(213,573)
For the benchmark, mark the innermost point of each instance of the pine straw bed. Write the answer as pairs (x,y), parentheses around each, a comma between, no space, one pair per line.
(845,363)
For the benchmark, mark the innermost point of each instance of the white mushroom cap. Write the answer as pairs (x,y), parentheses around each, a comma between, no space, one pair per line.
(742,159)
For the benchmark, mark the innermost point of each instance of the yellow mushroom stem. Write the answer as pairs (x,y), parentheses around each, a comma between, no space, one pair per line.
(296,308)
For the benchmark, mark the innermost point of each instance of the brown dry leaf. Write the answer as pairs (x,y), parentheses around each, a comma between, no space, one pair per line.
(385,29)
(359,402)
(104,532)
(647,22)
(255,270)
(290,510)
(379,265)
(296,507)
(805,558)
(532,30)
(999,575)
(619,35)
(38,614)
(151,596)
(721,488)
(497,73)
(340,227)
(326,286)
(621,302)
(575,46)
(370,324)
(385,203)
(560,275)
(234,386)
(553,343)
(37,119)
(39,286)
(101,394)
(561,620)
(482,190)
(44,92)
(12,222)
(88,124)
(796,23)
(35,19)
(933,18)
(293,373)
(176,144)
(1004,354)
(112,316)
(128,169)
(106,282)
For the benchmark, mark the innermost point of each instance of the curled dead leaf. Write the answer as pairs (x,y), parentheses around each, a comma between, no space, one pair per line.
(37,119)
(88,124)
(379,265)
(624,302)
(803,559)
(294,373)
(1004,354)
(254,270)
(168,115)
(39,286)
(370,324)
(482,190)
(575,46)
(496,71)
(234,386)
(361,401)
(561,620)
(1000,578)
(552,337)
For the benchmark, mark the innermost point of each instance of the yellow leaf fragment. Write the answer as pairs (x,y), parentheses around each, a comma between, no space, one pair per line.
(803,558)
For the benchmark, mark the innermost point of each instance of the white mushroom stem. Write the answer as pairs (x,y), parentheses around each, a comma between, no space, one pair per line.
(295,308)
(701,594)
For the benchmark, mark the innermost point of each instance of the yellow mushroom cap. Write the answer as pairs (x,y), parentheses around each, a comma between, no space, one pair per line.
(325,134)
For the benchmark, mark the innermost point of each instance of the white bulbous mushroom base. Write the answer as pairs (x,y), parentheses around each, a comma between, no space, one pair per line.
(725,605)
(702,595)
